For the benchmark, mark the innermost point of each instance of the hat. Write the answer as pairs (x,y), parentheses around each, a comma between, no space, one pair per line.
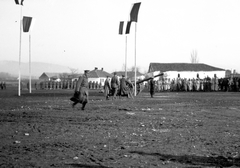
(115,73)
(86,71)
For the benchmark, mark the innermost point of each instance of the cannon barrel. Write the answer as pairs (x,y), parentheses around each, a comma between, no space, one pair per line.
(149,77)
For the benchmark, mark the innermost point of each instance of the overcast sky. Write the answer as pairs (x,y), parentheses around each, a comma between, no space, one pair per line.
(83,34)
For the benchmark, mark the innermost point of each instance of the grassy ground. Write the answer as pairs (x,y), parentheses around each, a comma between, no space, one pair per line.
(172,129)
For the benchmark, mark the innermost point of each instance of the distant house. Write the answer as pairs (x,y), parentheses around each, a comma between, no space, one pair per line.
(130,74)
(187,70)
(98,76)
(46,76)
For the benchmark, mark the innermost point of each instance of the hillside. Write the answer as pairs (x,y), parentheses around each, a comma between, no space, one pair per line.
(37,68)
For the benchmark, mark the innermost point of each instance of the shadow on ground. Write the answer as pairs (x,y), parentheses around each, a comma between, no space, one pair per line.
(86,165)
(219,161)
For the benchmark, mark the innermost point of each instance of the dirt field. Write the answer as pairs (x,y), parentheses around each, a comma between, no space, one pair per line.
(172,129)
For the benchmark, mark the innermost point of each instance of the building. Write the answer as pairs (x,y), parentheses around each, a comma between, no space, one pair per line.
(46,76)
(98,76)
(187,70)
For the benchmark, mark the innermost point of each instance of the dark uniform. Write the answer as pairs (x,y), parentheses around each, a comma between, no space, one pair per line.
(114,85)
(81,91)
(107,88)
(152,87)
(125,87)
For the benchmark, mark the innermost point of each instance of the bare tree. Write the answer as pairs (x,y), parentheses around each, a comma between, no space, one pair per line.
(194,57)
(64,76)
(74,72)
(133,69)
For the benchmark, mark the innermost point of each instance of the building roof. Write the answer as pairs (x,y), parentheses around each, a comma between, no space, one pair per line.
(163,67)
(49,75)
(96,73)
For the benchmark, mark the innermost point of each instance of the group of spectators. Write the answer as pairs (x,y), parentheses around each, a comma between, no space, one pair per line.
(163,84)
(3,85)
(65,84)
(196,84)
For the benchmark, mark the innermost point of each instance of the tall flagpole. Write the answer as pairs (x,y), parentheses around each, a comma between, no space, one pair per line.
(135,82)
(126,57)
(20,46)
(30,84)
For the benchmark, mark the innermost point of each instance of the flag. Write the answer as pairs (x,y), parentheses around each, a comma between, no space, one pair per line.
(128,27)
(134,12)
(121,27)
(17,2)
(26,23)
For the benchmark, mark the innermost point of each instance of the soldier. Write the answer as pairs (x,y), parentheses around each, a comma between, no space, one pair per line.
(106,88)
(4,85)
(216,83)
(184,83)
(96,85)
(28,85)
(159,85)
(152,87)
(114,85)
(178,83)
(81,91)
(35,85)
(1,85)
(125,87)
(93,85)
(57,85)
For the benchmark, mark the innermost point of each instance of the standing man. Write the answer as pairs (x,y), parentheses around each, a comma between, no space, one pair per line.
(152,87)
(114,85)
(81,91)
(35,85)
(4,85)
(107,88)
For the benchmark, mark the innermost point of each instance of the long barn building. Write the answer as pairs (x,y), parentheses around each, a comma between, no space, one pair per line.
(187,70)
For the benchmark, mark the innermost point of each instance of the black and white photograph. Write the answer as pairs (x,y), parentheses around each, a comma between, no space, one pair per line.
(120,83)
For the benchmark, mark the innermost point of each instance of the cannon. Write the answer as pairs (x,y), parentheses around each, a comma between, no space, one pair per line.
(139,83)
(148,77)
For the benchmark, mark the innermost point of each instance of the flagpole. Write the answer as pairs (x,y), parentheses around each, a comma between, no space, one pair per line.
(135,86)
(135,82)
(126,57)
(20,46)
(30,84)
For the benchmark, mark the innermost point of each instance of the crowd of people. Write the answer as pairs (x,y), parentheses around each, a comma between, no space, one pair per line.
(65,84)
(113,86)
(196,84)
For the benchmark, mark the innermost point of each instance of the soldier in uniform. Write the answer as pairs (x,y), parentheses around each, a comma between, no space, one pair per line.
(114,85)
(107,88)
(81,91)
(4,85)
(152,87)
(125,87)
(1,85)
